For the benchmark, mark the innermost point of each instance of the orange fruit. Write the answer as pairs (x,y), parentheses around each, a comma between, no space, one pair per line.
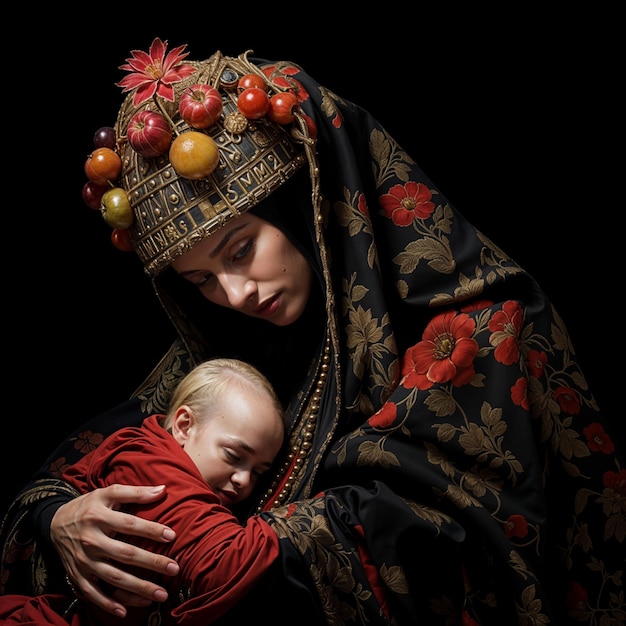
(103,165)
(194,155)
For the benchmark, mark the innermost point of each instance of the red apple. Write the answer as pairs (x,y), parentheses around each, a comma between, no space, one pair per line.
(200,106)
(149,133)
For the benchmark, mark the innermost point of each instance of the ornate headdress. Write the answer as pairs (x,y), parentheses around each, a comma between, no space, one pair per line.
(195,144)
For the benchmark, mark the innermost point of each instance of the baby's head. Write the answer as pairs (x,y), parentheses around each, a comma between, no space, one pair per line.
(227,417)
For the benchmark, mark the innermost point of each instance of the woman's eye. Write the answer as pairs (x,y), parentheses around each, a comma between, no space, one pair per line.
(243,251)
(204,280)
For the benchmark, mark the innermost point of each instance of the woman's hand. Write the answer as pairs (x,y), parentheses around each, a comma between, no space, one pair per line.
(82,530)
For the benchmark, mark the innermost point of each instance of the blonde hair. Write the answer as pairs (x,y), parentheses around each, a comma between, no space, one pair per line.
(203,386)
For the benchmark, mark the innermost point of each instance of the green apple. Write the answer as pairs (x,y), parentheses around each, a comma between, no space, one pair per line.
(116,209)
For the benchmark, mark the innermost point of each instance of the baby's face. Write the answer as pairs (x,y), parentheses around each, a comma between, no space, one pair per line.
(237,444)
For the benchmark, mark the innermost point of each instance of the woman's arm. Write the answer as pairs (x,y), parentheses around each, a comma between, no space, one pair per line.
(81,532)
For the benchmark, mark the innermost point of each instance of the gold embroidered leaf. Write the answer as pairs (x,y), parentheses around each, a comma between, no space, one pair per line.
(445,432)
(380,148)
(358,292)
(440,402)
(570,444)
(491,416)
(394,578)
(343,211)
(371,453)
(436,457)
(518,564)
(442,217)
(426,513)
(460,498)
(580,502)
(328,103)
(403,288)
(426,249)
(595,565)
(473,440)
(615,527)
(579,380)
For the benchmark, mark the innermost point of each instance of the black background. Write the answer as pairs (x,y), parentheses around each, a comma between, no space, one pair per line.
(513,116)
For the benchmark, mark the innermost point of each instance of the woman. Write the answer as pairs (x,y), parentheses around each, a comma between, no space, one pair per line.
(447,462)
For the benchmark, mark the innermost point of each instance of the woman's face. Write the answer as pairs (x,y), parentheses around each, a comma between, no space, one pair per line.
(251,266)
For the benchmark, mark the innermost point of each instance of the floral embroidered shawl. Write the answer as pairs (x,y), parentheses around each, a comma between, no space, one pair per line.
(448,463)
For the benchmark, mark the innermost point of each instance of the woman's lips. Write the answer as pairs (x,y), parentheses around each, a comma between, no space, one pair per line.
(268,307)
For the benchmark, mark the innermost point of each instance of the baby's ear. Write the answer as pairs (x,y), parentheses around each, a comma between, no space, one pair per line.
(182,422)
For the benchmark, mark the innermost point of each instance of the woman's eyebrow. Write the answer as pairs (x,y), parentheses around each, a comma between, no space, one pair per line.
(224,241)
(220,246)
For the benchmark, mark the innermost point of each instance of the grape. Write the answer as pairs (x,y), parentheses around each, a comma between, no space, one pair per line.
(104,137)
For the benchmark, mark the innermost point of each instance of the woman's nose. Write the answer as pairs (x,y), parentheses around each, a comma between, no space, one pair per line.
(238,290)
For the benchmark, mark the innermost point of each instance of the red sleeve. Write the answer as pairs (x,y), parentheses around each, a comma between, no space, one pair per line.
(220,559)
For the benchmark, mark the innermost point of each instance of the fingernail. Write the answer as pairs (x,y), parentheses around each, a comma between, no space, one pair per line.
(158,489)
(119,612)
(160,595)
(169,534)
(172,568)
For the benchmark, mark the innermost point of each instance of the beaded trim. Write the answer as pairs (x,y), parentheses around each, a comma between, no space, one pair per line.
(291,473)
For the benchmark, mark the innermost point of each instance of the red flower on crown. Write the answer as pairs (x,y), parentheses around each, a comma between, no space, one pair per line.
(155,72)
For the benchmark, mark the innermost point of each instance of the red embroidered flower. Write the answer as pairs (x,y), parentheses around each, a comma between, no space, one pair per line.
(278,75)
(88,441)
(476,305)
(384,417)
(18,551)
(446,353)
(371,571)
(467,619)
(505,326)
(516,526)
(291,509)
(362,205)
(405,202)
(58,466)
(519,393)
(155,72)
(567,399)
(615,481)
(597,439)
(536,362)
(576,597)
